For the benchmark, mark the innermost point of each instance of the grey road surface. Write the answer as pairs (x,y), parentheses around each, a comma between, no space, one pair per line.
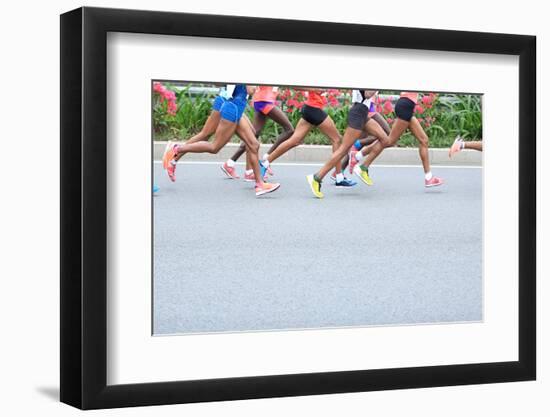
(394,253)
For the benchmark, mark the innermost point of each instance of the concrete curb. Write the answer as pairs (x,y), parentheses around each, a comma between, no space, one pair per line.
(321,153)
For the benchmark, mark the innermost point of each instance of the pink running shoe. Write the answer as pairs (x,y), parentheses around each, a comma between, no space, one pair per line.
(249,177)
(433,182)
(231,172)
(270,171)
(168,161)
(171,170)
(352,160)
(456,146)
(266,188)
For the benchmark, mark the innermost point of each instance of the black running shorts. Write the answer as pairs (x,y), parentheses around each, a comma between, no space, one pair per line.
(358,116)
(313,115)
(404,109)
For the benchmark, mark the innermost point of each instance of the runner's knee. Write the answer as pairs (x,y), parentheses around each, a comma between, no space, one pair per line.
(423,140)
(214,148)
(288,129)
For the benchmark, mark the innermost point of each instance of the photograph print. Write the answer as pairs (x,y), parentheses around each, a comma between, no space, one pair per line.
(281,208)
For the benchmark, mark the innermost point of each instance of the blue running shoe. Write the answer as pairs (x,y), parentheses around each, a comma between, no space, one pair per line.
(345,183)
(156,188)
(263,171)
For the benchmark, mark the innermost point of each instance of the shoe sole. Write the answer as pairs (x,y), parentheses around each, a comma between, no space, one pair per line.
(309,179)
(228,174)
(275,188)
(434,185)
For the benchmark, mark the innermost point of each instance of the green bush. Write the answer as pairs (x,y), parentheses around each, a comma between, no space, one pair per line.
(443,117)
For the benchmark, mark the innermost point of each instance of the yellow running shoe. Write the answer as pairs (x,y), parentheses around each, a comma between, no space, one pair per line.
(363,173)
(315,186)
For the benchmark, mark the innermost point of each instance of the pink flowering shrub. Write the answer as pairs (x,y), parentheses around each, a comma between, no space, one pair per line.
(166,98)
(179,114)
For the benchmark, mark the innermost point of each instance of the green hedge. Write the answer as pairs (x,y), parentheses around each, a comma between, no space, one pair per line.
(443,116)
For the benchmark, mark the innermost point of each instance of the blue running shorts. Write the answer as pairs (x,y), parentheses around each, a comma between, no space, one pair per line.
(218,103)
(233,109)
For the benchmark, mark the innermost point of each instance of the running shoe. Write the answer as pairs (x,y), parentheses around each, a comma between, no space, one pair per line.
(346,183)
(168,161)
(363,173)
(231,172)
(270,171)
(315,186)
(433,182)
(263,170)
(249,177)
(352,160)
(456,146)
(333,176)
(266,188)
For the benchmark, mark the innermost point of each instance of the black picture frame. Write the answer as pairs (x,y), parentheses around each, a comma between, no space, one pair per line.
(84,207)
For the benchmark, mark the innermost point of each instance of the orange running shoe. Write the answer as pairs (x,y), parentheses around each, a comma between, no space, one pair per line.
(168,161)
(266,188)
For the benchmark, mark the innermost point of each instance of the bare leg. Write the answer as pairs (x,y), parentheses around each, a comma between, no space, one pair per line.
(422,138)
(223,134)
(259,123)
(329,129)
(478,145)
(399,126)
(302,129)
(350,136)
(246,133)
(207,130)
(378,118)
(367,141)
(279,117)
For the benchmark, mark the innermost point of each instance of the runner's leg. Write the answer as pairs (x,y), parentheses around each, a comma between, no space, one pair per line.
(329,129)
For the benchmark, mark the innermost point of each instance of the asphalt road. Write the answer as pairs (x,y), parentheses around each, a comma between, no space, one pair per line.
(394,253)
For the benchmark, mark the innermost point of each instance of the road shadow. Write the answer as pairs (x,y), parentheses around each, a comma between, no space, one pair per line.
(50,392)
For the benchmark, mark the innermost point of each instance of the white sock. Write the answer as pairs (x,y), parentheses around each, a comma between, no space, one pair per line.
(339,177)
(249,171)
(359,156)
(265,156)
(230,163)
(428,175)
(265,163)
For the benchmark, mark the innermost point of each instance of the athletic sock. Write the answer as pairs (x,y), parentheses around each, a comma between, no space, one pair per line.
(364,168)
(230,163)
(265,163)
(359,156)
(249,171)
(428,176)
(316,178)
(462,145)
(265,156)
(339,177)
